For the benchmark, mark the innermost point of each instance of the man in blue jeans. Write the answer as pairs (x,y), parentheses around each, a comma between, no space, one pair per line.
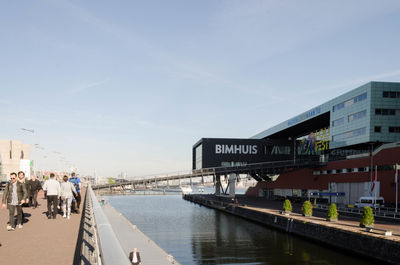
(77,184)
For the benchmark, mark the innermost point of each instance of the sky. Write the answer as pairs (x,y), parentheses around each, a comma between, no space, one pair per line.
(130,86)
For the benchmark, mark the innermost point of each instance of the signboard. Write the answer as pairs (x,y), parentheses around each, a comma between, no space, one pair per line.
(315,142)
(327,194)
(25,166)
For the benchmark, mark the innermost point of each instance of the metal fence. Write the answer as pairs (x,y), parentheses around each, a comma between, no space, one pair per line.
(384,212)
(110,249)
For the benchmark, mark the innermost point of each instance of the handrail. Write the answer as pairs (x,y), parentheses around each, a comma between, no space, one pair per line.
(111,251)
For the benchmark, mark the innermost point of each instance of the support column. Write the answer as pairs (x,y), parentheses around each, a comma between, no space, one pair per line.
(191,183)
(218,185)
(155,180)
(232,183)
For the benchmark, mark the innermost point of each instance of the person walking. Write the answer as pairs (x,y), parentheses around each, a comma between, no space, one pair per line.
(52,188)
(134,257)
(77,183)
(15,194)
(67,192)
(34,187)
(21,179)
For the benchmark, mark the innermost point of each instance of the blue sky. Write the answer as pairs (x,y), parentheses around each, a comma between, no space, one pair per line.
(130,86)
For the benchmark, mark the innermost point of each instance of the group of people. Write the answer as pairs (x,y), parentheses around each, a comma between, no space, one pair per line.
(20,192)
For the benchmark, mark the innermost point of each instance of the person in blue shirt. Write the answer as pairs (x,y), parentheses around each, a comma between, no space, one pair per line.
(78,186)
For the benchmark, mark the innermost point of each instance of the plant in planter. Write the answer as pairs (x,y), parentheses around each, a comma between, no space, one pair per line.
(287,206)
(306,209)
(332,213)
(367,219)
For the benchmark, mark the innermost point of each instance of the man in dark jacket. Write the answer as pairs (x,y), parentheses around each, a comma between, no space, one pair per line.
(33,186)
(14,195)
(134,257)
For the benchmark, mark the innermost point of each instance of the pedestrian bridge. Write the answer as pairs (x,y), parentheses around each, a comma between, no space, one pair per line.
(258,171)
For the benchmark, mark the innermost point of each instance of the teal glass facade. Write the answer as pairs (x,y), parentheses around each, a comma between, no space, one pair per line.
(367,114)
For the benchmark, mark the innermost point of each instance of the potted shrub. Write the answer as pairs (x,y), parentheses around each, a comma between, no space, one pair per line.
(306,209)
(332,213)
(287,206)
(367,219)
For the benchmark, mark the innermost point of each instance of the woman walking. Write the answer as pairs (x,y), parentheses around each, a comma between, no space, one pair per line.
(67,191)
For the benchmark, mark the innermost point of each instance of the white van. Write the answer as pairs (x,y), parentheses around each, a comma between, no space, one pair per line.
(369,201)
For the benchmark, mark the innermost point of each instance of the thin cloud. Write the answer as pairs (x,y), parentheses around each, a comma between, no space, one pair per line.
(358,81)
(86,86)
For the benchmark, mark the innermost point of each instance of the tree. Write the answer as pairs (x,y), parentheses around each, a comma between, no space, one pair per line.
(367,218)
(306,209)
(287,206)
(332,212)
(111,181)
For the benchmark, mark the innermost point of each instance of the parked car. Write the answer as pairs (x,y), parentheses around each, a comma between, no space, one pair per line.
(370,201)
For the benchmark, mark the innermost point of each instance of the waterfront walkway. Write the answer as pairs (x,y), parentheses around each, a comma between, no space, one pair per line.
(344,222)
(131,237)
(41,240)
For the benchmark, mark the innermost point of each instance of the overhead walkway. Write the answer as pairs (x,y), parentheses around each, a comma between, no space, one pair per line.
(259,171)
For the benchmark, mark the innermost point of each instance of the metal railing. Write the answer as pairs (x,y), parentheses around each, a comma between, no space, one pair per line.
(381,212)
(110,249)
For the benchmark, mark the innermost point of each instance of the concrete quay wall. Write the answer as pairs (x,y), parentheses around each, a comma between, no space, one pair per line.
(363,244)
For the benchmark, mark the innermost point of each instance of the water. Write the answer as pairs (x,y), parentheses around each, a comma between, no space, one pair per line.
(195,234)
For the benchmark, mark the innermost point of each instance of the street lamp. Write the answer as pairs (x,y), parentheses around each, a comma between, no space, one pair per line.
(28,130)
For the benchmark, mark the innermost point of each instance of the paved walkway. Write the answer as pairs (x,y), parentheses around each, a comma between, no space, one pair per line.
(41,240)
(131,237)
(345,222)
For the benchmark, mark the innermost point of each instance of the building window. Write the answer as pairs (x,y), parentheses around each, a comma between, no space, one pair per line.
(357,116)
(349,102)
(391,94)
(199,156)
(377,129)
(349,134)
(394,129)
(338,122)
(386,112)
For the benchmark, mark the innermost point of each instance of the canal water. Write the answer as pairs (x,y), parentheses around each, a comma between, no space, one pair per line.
(195,234)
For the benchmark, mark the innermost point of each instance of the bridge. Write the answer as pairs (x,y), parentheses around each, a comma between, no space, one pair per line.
(259,171)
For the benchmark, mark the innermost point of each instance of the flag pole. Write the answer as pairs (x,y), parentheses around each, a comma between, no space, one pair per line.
(375,182)
(395,183)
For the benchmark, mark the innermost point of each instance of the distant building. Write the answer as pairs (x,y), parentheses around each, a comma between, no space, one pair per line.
(13,155)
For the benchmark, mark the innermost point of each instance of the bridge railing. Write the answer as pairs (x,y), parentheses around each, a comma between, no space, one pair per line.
(110,249)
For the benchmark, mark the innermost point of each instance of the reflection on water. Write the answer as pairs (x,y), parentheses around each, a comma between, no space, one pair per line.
(198,235)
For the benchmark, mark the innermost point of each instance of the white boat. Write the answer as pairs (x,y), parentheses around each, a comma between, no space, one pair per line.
(186,190)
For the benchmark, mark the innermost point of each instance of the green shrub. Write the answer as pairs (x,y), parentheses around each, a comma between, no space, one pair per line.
(287,206)
(367,218)
(306,209)
(332,212)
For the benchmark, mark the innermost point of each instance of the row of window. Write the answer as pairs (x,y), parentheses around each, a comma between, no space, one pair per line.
(349,102)
(385,112)
(378,129)
(357,116)
(349,134)
(391,94)
(354,170)
(350,118)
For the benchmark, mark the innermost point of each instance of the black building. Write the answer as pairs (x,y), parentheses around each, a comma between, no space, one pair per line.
(217,152)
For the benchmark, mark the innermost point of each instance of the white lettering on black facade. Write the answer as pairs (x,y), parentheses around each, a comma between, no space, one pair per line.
(236,149)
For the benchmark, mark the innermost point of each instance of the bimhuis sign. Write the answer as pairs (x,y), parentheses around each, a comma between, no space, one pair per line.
(236,149)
